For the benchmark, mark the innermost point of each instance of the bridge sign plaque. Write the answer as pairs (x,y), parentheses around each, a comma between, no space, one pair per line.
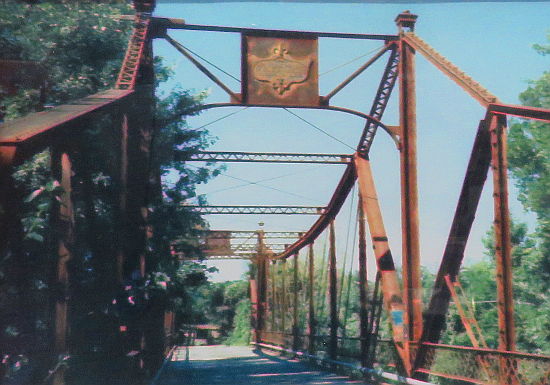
(280,71)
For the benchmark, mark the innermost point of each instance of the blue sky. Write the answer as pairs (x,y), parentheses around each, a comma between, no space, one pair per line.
(492,42)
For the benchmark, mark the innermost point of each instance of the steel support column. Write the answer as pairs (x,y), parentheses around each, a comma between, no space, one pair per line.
(7,156)
(393,300)
(333,295)
(64,231)
(123,198)
(503,248)
(312,329)
(295,334)
(409,193)
(254,304)
(273,307)
(284,302)
(363,286)
(261,284)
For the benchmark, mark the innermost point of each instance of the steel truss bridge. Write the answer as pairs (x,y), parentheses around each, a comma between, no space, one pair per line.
(276,290)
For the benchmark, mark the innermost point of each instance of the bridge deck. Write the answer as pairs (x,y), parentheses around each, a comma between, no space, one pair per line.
(218,365)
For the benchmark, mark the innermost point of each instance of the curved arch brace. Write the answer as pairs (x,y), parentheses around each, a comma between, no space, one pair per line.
(342,190)
(328,108)
(333,208)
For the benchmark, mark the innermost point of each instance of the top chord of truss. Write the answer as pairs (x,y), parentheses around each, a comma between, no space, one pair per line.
(164,23)
(183,257)
(270,157)
(304,210)
(245,234)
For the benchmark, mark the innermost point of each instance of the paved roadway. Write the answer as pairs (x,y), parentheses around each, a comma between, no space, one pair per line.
(240,365)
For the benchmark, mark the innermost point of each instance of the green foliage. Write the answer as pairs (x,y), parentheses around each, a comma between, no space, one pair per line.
(78,45)
(529,163)
(224,304)
(240,335)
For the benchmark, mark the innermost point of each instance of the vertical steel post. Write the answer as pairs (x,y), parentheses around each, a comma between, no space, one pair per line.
(123,198)
(254,304)
(363,286)
(312,329)
(261,283)
(64,228)
(7,208)
(393,300)
(503,248)
(284,306)
(266,295)
(295,336)
(274,305)
(409,191)
(333,295)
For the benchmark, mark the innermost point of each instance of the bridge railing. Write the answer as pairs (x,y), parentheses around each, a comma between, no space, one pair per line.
(452,365)
(462,364)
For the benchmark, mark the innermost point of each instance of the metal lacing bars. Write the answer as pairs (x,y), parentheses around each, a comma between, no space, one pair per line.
(129,70)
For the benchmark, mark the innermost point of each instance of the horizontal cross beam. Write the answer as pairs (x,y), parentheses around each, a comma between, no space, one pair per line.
(251,235)
(163,23)
(269,157)
(266,235)
(302,210)
(182,257)
(250,246)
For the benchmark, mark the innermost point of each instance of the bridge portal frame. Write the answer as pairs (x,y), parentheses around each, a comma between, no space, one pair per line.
(491,139)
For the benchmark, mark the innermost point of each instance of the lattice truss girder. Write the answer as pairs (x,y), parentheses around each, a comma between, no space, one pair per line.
(234,156)
(220,244)
(134,53)
(244,209)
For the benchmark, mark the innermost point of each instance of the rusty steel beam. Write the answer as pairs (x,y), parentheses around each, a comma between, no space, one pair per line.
(476,174)
(254,305)
(326,99)
(272,292)
(312,326)
(338,198)
(134,52)
(269,157)
(266,245)
(69,115)
(295,330)
(383,94)
(169,23)
(202,68)
(247,234)
(286,210)
(520,111)
(237,256)
(63,223)
(503,246)
(250,247)
(484,97)
(333,295)
(123,198)
(261,267)
(469,322)
(391,289)
(284,302)
(412,285)
(8,210)
(370,119)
